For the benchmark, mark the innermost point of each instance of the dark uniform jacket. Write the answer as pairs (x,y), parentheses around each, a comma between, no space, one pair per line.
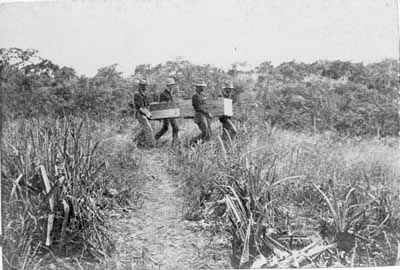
(140,101)
(166,96)
(200,112)
(198,102)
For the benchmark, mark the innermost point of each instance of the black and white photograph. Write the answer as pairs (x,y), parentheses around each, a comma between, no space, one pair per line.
(199,134)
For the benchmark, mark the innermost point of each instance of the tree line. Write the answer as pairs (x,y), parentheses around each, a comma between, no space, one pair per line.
(350,98)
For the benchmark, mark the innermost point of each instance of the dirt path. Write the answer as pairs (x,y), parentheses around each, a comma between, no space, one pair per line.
(155,236)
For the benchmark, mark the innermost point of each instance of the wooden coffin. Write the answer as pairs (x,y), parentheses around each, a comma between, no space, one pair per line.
(217,107)
(161,110)
(184,108)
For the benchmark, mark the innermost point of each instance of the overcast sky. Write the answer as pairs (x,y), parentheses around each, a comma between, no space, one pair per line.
(87,35)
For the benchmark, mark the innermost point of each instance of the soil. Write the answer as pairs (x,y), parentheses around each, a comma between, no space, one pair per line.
(156,236)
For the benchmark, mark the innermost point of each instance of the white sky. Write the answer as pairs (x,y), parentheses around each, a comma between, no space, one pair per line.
(87,35)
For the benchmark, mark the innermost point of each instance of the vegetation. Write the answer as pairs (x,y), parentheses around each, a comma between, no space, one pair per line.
(288,200)
(352,99)
(310,181)
(59,181)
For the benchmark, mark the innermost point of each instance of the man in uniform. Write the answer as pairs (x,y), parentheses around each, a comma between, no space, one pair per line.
(228,128)
(166,96)
(202,116)
(145,137)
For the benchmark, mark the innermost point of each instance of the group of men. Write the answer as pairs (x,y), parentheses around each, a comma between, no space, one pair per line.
(202,116)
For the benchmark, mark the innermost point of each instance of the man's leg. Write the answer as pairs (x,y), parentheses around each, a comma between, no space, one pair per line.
(140,139)
(229,128)
(175,130)
(204,127)
(208,121)
(150,141)
(198,122)
(195,140)
(147,130)
(225,133)
(163,129)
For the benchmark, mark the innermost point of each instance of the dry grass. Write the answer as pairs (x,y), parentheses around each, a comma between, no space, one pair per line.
(280,198)
(59,180)
(292,199)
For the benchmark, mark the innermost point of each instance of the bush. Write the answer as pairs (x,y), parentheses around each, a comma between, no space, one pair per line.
(57,185)
(285,192)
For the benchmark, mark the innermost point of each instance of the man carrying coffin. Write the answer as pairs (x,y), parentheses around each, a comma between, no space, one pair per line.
(166,96)
(141,101)
(202,116)
(228,128)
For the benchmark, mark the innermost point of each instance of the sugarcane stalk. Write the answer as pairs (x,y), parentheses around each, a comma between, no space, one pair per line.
(50,218)
(65,221)
(15,185)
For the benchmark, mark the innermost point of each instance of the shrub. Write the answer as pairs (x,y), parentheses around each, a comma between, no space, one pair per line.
(284,196)
(57,181)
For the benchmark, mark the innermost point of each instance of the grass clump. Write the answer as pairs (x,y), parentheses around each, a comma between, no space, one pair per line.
(58,182)
(288,199)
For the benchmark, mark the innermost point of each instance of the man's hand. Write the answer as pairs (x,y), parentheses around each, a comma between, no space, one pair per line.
(145,112)
(148,114)
(209,115)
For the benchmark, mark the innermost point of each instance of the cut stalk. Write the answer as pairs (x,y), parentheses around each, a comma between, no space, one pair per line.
(65,222)
(50,218)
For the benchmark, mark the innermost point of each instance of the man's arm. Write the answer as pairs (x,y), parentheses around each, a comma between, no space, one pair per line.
(138,101)
(139,104)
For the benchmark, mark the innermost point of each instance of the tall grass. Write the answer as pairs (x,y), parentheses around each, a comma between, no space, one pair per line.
(57,182)
(291,199)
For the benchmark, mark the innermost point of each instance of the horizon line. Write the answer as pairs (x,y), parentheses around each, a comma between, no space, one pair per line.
(242,65)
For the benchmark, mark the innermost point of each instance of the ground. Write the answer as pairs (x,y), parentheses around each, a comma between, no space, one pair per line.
(156,235)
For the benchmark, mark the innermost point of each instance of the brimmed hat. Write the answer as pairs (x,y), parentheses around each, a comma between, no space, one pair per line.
(200,83)
(228,84)
(170,81)
(142,82)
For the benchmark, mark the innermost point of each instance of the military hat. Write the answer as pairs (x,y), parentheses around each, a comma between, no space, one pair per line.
(228,85)
(200,83)
(142,82)
(170,81)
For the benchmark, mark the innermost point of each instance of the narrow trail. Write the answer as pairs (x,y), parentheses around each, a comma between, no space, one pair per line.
(156,236)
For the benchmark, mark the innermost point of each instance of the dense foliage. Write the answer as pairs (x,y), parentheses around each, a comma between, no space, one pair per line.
(351,98)
(250,186)
(286,199)
(60,178)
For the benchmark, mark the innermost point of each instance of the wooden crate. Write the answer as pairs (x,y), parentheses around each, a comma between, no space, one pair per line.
(184,108)
(162,110)
(217,107)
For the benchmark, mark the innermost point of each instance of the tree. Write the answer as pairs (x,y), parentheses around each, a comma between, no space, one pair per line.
(108,77)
